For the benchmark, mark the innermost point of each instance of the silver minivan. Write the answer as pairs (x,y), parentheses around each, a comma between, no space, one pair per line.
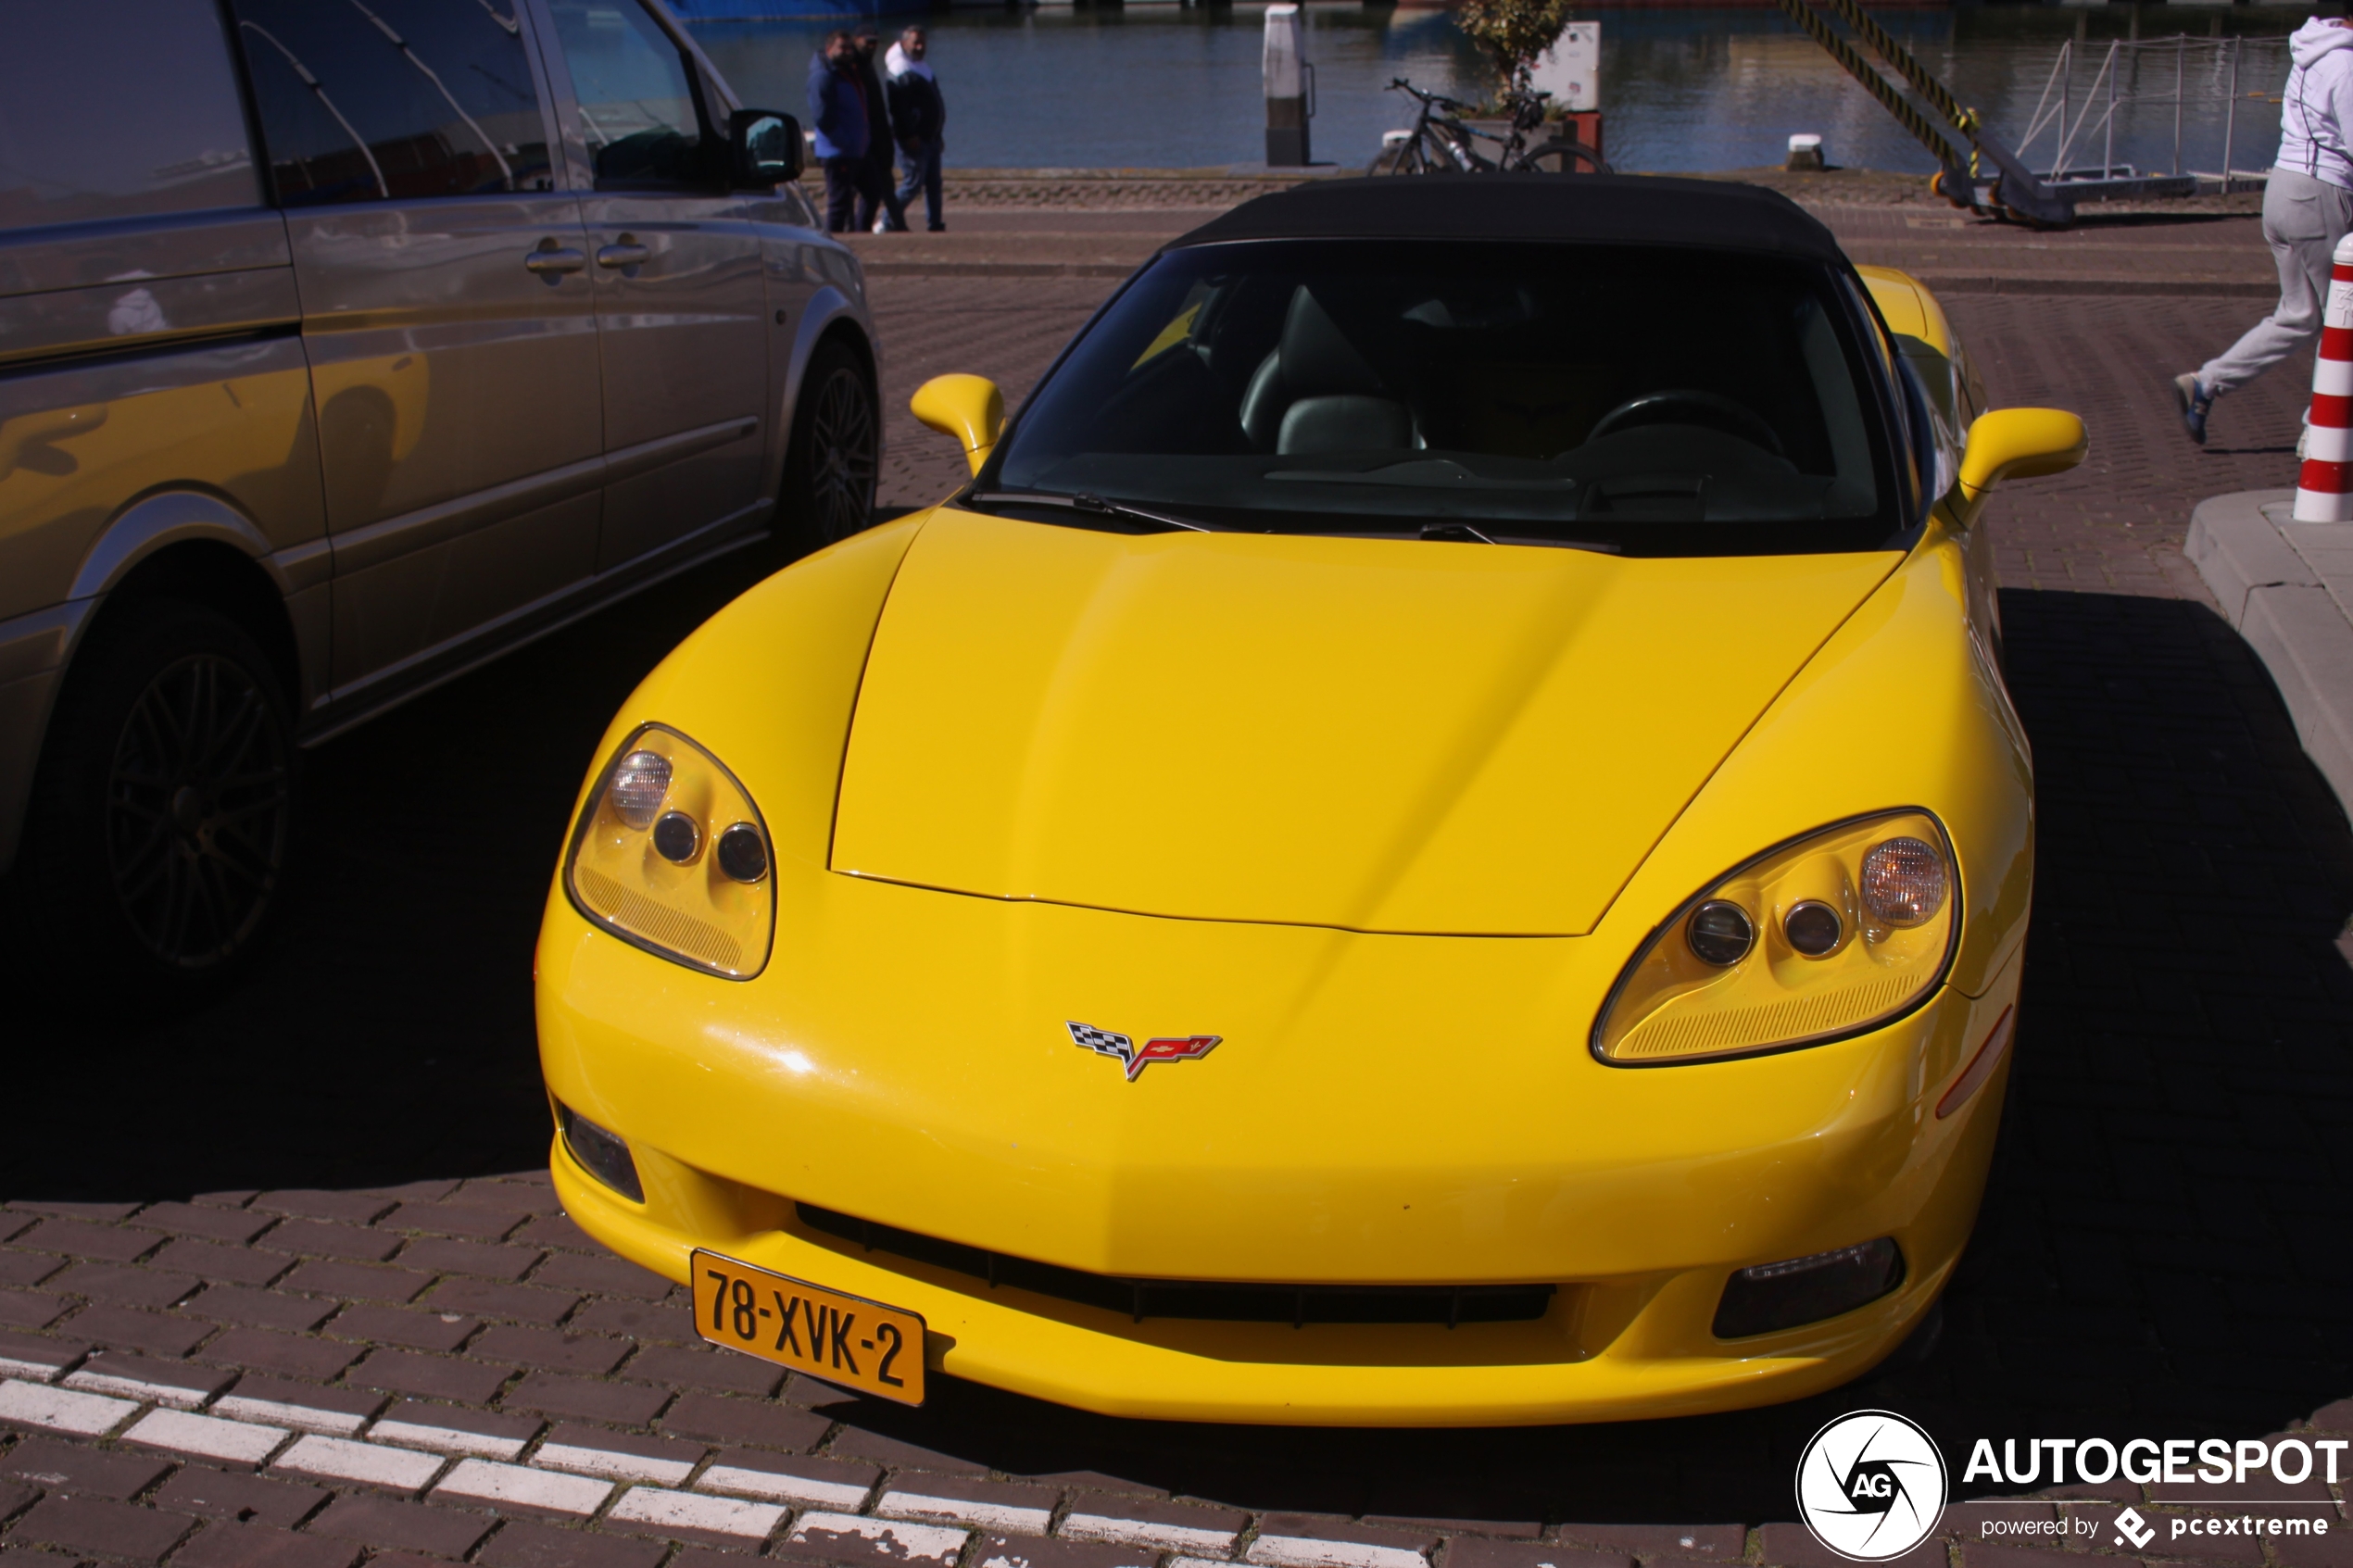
(346,344)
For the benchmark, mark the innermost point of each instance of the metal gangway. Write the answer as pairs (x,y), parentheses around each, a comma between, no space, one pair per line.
(2157,73)
(1980,172)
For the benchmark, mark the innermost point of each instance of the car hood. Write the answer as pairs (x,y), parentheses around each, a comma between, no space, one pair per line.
(1373,734)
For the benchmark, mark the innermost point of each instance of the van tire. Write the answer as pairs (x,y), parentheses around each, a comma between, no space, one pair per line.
(162,819)
(831,464)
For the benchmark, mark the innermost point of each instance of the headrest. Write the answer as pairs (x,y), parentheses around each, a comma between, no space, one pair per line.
(1316,357)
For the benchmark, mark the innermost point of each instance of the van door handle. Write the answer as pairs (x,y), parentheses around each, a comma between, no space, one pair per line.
(628,253)
(551,260)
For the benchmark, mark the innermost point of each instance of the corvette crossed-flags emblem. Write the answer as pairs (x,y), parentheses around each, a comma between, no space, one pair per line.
(1164,1047)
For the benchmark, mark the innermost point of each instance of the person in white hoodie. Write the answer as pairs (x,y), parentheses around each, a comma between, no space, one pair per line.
(2307,207)
(919,118)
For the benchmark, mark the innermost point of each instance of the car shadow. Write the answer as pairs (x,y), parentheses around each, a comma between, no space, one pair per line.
(386,1030)
(2158,1253)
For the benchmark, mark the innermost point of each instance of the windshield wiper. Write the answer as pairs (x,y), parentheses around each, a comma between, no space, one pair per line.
(1426,473)
(1097,506)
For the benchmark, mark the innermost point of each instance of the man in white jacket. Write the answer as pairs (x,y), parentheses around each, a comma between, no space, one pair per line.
(2308,207)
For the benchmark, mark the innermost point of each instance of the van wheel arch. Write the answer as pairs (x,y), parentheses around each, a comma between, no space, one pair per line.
(220,578)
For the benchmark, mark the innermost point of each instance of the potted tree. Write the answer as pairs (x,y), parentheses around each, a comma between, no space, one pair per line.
(1512,34)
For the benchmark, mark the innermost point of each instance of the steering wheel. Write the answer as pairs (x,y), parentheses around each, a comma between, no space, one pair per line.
(1711,408)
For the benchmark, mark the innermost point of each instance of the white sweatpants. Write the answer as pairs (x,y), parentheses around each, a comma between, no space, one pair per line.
(2303,220)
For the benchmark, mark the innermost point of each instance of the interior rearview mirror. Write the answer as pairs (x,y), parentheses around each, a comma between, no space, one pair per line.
(968,408)
(764,147)
(2018,443)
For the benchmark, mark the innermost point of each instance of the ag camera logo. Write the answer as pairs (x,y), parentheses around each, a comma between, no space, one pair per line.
(1870,1486)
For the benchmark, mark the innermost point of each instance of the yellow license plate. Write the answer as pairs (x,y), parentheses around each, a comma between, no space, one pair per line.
(844,1339)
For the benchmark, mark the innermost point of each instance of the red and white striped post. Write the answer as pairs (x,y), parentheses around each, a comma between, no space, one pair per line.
(2325,489)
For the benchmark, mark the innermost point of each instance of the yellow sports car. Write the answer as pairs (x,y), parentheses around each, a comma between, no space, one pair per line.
(1437,839)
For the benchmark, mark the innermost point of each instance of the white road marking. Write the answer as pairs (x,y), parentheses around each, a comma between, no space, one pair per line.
(612,1464)
(444,1439)
(1143,1532)
(305,1418)
(834,1495)
(1005,1517)
(516,1486)
(340,1458)
(846,1539)
(1307,1551)
(138,1390)
(53,1410)
(38,1371)
(684,1511)
(1009,1557)
(230,1442)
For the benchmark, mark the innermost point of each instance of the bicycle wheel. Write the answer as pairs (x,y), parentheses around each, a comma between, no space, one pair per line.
(1567,150)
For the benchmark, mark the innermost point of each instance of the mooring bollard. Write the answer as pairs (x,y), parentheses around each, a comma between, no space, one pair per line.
(1290,87)
(2325,489)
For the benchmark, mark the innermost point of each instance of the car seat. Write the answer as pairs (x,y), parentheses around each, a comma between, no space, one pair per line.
(1315,392)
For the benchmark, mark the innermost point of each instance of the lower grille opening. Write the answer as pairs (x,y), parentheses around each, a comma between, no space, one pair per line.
(1297,1305)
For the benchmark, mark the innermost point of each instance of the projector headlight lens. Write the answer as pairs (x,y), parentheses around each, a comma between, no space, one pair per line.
(1814,928)
(1825,936)
(677,838)
(1720,933)
(743,854)
(657,890)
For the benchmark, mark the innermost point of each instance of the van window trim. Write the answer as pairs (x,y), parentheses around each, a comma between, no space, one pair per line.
(266,163)
(564,100)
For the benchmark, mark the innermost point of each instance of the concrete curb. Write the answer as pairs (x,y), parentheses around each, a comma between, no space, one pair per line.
(2286,587)
(1996,282)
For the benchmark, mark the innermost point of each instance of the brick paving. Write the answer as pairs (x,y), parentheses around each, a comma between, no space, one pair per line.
(267,1297)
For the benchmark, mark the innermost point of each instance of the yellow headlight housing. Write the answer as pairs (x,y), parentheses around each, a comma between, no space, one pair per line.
(670,856)
(1826,935)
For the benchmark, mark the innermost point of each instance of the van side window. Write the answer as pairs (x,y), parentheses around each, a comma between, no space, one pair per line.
(125,109)
(392,100)
(636,101)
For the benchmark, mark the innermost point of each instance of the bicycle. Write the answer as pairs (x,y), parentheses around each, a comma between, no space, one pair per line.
(1440,143)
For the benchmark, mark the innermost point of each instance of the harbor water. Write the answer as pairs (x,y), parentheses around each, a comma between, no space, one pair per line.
(1683,88)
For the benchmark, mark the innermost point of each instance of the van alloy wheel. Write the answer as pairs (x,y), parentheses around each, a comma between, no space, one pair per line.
(198,811)
(842,453)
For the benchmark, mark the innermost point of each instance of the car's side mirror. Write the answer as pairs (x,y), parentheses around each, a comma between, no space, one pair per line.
(2018,443)
(763,148)
(968,408)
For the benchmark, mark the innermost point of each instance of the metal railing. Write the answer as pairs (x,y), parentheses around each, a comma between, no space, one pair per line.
(2208,67)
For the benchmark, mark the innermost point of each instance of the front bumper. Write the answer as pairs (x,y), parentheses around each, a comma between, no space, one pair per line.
(735,1112)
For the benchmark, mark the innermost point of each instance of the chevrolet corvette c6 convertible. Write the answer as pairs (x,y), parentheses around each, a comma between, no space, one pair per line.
(1436,837)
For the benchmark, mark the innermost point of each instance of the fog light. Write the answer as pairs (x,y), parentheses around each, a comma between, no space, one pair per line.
(1904,883)
(1802,1290)
(600,1153)
(1720,933)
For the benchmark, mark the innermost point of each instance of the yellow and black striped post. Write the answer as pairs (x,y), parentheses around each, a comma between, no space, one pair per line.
(1907,114)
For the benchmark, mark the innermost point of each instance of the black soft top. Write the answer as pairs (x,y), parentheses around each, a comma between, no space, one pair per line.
(1605,208)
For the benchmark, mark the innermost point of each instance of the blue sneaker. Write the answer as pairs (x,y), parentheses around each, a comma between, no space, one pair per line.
(2196,402)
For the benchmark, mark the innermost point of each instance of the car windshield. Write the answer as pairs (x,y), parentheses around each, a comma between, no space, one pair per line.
(1648,399)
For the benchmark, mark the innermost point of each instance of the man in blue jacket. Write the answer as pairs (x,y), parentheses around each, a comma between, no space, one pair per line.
(837,111)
